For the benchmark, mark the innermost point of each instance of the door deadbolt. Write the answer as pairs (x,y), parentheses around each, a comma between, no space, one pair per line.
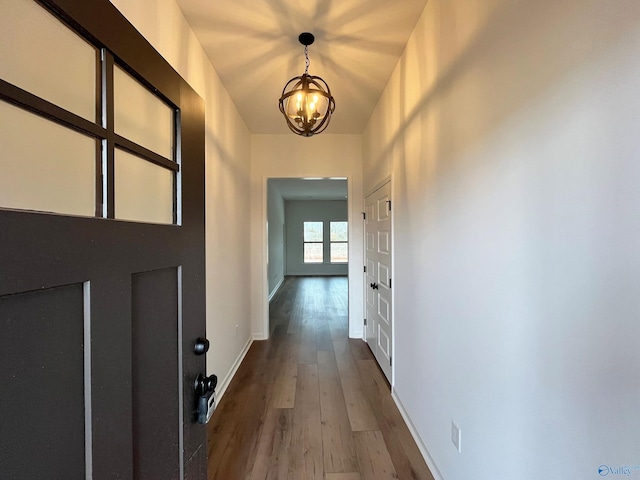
(201,347)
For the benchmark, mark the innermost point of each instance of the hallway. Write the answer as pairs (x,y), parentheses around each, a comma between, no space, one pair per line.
(309,403)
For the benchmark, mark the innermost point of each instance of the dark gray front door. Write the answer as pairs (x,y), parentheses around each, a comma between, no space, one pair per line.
(99,316)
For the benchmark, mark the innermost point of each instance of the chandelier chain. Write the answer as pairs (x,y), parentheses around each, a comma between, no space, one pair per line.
(306,56)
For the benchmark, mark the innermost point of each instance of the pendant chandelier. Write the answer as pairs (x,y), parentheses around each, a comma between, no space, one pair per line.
(306,101)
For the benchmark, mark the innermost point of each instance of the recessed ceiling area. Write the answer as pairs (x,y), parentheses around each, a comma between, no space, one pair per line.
(253,46)
(311,189)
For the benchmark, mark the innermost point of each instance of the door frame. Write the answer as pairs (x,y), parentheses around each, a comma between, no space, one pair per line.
(354,244)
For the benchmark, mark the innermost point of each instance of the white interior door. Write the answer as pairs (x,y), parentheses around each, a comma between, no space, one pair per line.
(378,276)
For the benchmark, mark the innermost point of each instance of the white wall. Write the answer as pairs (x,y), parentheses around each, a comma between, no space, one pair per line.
(510,129)
(291,156)
(227,180)
(298,212)
(275,229)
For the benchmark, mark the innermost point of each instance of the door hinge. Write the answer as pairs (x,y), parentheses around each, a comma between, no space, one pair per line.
(389,283)
(389,203)
(364,216)
(365,322)
(391,361)
(365,269)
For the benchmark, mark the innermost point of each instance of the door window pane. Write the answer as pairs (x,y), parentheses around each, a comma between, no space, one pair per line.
(45,166)
(144,191)
(141,116)
(43,56)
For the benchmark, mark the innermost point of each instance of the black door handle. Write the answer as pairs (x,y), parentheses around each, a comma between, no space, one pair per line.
(205,388)
(375,286)
(204,385)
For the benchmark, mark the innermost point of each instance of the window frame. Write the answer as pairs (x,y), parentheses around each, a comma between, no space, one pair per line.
(326,241)
(305,242)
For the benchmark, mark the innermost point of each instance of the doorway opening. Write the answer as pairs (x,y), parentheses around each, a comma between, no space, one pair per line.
(307,231)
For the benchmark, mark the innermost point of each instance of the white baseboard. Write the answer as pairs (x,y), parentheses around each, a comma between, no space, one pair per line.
(435,471)
(275,290)
(222,387)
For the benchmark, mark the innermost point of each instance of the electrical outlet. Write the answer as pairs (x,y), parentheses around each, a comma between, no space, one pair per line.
(456,436)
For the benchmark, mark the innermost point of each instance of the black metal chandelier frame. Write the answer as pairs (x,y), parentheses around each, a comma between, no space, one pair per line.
(303,122)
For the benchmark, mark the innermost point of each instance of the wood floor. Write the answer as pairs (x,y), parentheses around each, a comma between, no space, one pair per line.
(309,403)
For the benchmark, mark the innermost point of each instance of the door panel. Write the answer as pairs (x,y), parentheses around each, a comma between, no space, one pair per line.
(370,276)
(383,347)
(371,241)
(384,344)
(384,313)
(383,241)
(42,398)
(383,206)
(155,380)
(384,274)
(370,211)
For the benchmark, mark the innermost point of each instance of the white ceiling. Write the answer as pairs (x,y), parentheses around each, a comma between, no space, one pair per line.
(253,45)
(300,189)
